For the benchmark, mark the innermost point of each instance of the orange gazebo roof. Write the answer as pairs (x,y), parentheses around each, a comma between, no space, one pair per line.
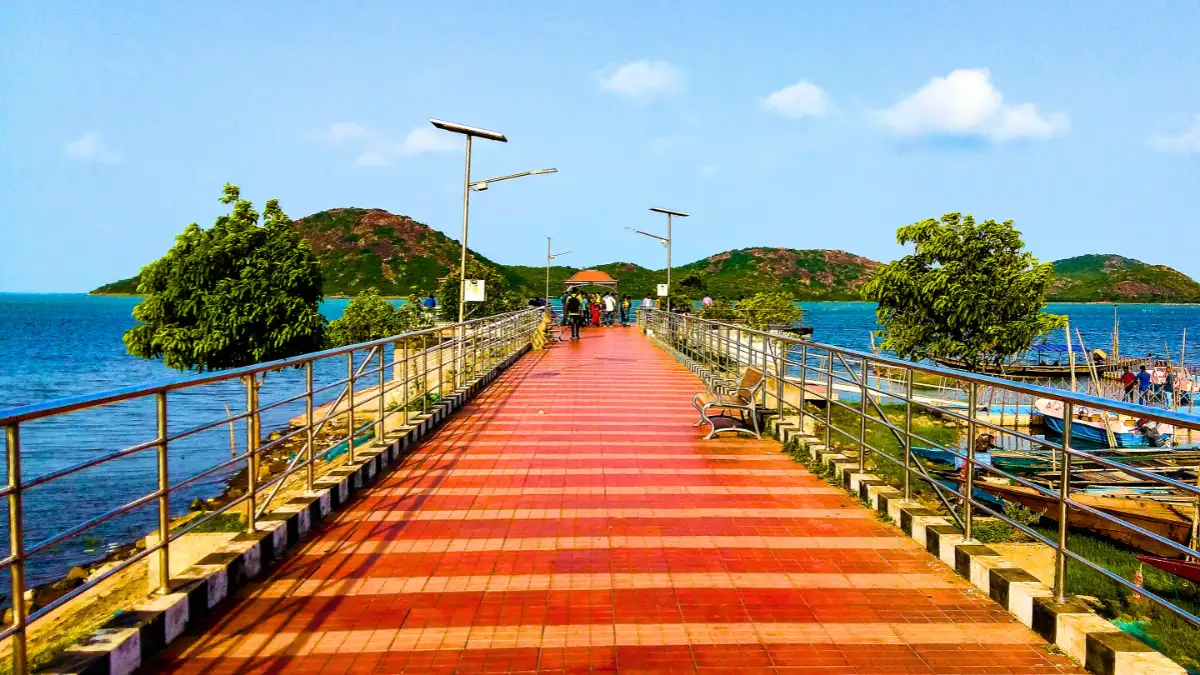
(593,277)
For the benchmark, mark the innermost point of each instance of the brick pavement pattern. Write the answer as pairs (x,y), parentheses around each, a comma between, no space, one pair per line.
(570,519)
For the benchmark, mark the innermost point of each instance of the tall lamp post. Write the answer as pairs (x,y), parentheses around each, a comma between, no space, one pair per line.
(469,132)
(666,241)
(550,256)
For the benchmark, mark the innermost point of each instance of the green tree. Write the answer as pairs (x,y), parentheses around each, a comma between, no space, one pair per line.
(968,292)
(692,286)
(498,296)
(763,310)
(721,311)
(370,317)
(233,295)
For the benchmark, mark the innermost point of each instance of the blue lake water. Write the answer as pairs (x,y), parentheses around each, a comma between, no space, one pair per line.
(53,346)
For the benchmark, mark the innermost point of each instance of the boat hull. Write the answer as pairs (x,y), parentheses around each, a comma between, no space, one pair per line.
(1097,436)
(1180,568)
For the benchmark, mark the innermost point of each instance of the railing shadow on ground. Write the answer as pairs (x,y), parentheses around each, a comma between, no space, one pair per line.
(1089,469)
(424,366)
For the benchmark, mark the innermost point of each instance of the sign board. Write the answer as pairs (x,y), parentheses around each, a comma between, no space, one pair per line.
(662,290)
(473,291)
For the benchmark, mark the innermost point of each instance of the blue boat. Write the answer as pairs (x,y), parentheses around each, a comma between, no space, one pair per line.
(1090,426)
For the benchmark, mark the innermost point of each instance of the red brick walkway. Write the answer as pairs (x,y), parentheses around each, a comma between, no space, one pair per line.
(571,520)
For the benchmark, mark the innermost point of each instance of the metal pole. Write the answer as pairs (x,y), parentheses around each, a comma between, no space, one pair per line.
(547,271)
(829,400)
(1060,552)
(462,269)
(862,417)
(350,407)
(164,496)
(404,392)
(381,416)
(668,263)
(908,394)
(308,423)
(803,383)
(251,453)
(781,370)
(969,486)
(16,547)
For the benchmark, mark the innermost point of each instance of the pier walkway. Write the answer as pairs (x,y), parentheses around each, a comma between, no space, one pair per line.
(570,519)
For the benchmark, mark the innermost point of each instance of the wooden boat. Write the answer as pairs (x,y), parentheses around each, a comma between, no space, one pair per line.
(1012,462)
(1168,520)
(1181,568)
(1090,424)
(1033,363)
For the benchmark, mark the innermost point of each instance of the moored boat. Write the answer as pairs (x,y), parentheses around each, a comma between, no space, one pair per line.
(1093,426)
(1183,569)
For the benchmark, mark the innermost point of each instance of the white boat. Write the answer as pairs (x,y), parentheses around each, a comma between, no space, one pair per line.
(1092,425)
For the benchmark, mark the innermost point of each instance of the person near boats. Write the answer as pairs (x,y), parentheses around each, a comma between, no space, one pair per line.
(573,310)
(610,310)
(1168,389)
(984,443)
(1129,382)
(1143,382)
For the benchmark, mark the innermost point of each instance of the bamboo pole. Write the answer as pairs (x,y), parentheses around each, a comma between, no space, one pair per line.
(1071,356)
(1108,432)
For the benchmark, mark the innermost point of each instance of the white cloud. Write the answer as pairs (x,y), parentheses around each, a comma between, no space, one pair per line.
(427,139)
(965,104)
(373,158)
(803,99)
(1186,142)
(339,132)
(91,147)
(707,170)
(643,79)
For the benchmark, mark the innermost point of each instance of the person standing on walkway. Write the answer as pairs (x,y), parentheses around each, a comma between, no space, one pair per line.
(1129,381)
(610,310)
(573,309)
(1143,381)
(594,305)
(1168,389)
(648,302)
(626,305)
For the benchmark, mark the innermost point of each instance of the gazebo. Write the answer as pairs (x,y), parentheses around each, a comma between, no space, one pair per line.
(590,278)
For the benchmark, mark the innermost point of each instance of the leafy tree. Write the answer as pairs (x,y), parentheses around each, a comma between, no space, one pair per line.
(693,286)
(763,310)
(968,292)
(721,311)
(233,295)
(371,317)
(498,297)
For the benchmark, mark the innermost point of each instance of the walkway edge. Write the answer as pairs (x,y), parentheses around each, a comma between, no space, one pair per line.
(133,637)
(1083,635)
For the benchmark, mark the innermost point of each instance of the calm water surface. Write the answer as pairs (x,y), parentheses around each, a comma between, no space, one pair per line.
(53,346)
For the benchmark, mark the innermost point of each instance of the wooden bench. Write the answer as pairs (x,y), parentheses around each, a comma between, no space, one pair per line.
(727,397)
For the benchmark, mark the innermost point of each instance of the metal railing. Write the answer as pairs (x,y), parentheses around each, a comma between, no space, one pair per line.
(424,365)
(840,395)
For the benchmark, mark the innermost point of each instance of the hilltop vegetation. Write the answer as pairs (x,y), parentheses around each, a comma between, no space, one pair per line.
(1115,278)
(364,248)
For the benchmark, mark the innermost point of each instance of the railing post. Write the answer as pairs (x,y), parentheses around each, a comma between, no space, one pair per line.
(164,496)
(381,414)
(1060,551)
(829,401)
(803,384)
(969,484)
(310,438)
(404,398)
(350,407)
(16,547)
(251,453)
(908,395)
(862,416)
(425,374)
(781,371)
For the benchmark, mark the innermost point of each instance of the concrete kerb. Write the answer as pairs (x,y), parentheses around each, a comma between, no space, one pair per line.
(1099,645)
(133,637)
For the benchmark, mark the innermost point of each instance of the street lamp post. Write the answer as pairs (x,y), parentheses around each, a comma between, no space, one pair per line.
(550,256)
(469,132)
(666,241)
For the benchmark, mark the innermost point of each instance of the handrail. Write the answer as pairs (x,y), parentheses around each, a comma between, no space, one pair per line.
(449,356)
(717,346)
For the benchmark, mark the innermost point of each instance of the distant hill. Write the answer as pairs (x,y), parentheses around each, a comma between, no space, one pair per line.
(361,248)
(1114,278)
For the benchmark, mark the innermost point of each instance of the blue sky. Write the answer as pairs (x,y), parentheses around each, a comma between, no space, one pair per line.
(806,125)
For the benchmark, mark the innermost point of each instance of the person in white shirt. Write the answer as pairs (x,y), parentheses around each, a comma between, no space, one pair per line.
(648,303)
(610,310)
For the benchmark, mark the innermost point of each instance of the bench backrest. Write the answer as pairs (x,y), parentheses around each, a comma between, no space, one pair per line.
(751,380)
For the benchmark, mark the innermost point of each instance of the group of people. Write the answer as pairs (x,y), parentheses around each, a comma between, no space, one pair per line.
(583,309)
(1143,383)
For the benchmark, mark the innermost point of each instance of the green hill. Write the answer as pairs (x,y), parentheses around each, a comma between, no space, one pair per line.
(361,248)
(1114,278)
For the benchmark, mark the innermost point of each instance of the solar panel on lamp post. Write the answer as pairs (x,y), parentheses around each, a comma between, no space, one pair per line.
(550,256)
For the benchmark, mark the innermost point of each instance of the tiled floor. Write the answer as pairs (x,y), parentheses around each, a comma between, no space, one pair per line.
(570,519)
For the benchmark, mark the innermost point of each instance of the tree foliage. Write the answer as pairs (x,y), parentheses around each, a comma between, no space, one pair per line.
(968,292)
(371,317)
(763,310)
(692,286)
(498,296)
(721,311)
(233,295)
